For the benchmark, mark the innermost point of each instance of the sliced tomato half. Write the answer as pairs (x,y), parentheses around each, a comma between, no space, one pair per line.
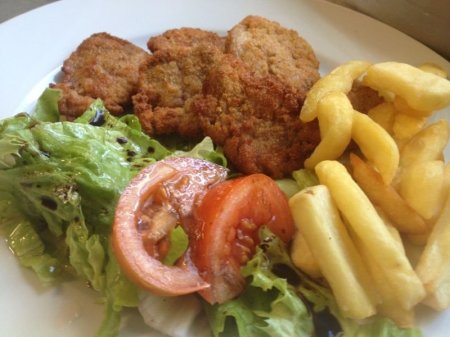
(159,198)
(227,223)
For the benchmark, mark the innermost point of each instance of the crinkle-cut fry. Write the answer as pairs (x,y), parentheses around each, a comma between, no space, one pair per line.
(384,115)
(377,145)
(403,217)
(422,90)
(340,79)
(434,69)
(371,230)
(428,144)
(315,212)
(335,115)
(421,185)
(433,267)
(302,256)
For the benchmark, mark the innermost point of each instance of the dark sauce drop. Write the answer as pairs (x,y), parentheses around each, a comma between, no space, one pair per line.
(98,119)
(122,140)
(49,203)
(325,324)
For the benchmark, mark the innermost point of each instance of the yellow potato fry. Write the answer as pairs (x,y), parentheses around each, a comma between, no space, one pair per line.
(402,106)
(377,145)
(433,267)
(422,187)
(371,230)
(315,212)
(384,115)
(421,90)
(447,178)
(340,79)
(335,114)
(418,239)
(426,145)
(389,305)
(434,69)
(406,126)
(302,256)
(403,217)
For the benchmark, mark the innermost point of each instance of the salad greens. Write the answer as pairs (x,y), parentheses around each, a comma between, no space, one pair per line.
(59,184)
(270,306)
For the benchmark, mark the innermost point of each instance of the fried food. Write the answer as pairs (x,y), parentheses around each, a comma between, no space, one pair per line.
(377,145)
(185,37)
(255,119)
(103,66)
(363,98)
(335,116)
(317,216)
(268,48)
(340,79)
(168,81)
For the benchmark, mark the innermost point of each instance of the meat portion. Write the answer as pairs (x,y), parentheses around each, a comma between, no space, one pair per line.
(268,48)
(363,98)
(255,119)
(185,37)
(103,66)
(167,83)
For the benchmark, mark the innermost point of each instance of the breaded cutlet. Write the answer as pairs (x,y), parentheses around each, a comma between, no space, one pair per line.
(269,48)
(185,37)
(167,82)
(103,66)
(254,119)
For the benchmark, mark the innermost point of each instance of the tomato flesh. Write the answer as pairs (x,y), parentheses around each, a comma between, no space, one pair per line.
(226,235)
(159,198)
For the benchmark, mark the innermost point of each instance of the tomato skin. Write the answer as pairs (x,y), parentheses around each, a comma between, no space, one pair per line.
(226,236)
(176,184)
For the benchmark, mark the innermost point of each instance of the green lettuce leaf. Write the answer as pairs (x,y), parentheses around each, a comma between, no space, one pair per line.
(269,306)
(305,178)
(46,109)
(322,299)
(59,184)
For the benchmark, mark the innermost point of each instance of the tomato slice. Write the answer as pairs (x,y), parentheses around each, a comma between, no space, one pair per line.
(227,220)
(159,198)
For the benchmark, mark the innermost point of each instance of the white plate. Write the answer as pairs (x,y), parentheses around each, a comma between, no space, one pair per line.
(33,48)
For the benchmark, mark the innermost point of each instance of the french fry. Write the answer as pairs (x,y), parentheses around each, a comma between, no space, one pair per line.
(447,178)
(302,256)
(433,267)
(434,69)
(406,126)
(340,80)
(422,187)
(377,145)
(335,115)
(389,305)
(383,114)
(428,144)
(422,90)
(404,218)
(371,230)
(315,212)
(401,105)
